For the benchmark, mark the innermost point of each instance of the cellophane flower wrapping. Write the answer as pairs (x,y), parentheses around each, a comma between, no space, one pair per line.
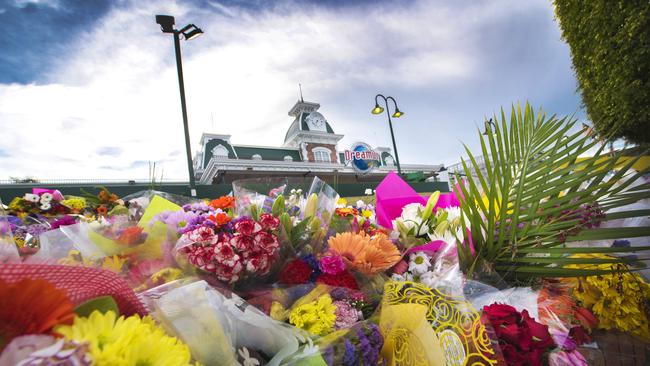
(138,252)
(219,326)
(8,250)
(257,195)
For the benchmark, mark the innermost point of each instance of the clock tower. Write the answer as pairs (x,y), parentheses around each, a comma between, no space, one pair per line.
(312,134)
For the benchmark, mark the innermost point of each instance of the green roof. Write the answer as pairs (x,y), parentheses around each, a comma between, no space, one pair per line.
(267,153)
(211,145)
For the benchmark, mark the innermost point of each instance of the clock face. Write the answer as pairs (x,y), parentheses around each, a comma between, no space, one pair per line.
(316,121)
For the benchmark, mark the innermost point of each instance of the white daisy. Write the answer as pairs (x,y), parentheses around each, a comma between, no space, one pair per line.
(46,197)
(31,197)
(419,263)
(368,192)
(361,204)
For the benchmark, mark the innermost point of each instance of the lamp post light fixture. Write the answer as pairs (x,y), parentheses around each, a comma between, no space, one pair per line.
(488,129)
(189,32)
(396,114)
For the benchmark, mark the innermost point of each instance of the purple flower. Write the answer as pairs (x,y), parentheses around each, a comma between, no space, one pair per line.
(197,207)
(375,336)
(313,263)
(350,357)
(339,293)
(369,353)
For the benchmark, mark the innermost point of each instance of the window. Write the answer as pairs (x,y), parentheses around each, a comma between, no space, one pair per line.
(322,155)
(256,157)
(220,151)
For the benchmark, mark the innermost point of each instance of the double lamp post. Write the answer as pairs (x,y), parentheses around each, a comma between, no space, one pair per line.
(189,32)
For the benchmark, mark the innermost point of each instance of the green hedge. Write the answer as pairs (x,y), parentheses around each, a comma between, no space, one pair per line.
(610,49)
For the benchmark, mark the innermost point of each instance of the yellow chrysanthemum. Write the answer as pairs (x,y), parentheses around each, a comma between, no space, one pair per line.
(126,341)
(316,317)
(114,263)
(616,299)
(75,203)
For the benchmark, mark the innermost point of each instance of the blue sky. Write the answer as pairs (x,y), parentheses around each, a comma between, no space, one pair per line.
(88,89)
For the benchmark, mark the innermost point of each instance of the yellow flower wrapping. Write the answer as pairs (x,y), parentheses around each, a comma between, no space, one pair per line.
(463,338)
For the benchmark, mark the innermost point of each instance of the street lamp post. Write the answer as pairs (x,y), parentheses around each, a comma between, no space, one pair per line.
(189,32)
(396,114)
(488,128)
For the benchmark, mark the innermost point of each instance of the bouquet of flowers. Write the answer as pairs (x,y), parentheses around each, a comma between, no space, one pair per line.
(232,249)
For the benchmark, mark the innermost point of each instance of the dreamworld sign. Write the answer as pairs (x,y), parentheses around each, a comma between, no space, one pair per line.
(362,157)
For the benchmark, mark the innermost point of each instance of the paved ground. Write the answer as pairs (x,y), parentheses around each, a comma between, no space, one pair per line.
(617,349)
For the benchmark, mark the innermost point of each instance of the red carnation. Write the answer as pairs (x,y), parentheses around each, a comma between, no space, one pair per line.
(344,279)
(295,272)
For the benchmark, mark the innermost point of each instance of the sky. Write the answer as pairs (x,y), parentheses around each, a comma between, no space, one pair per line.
(88,89)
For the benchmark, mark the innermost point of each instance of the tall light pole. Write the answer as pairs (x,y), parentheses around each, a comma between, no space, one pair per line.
(189,32)
(397,114)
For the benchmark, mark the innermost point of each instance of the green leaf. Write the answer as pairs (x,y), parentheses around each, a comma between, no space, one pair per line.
(102,304)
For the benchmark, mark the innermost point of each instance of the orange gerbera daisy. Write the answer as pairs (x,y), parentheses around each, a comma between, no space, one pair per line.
(131,236)
(368,254)
(102,210)
(346,211)
(220,219)
(223,202)
(31,306)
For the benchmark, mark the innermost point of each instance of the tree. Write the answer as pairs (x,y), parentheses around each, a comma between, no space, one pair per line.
(610,50)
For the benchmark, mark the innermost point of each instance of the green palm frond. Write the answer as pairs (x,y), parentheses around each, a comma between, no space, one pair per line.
(532,192)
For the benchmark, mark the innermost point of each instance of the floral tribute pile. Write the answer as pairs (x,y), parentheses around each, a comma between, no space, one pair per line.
(275,276)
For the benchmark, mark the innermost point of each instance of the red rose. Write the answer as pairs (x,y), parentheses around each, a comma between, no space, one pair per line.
(269,222)
(344,279)
(510,333)
(511,354)
(499,314)
(579,335)
(539,332)
(243,243)
(534,357)
(295,272)
(247,227)
(266,242)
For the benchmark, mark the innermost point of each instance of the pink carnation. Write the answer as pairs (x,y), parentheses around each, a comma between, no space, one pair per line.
(269,222)
(332,264)
(243,243)
(346,315)
(201,235)
(247,227)
(266,242)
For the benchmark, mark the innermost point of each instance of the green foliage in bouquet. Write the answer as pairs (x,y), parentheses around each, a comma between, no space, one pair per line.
(536,192)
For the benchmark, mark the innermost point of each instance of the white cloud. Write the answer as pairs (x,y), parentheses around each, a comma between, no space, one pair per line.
(118,84)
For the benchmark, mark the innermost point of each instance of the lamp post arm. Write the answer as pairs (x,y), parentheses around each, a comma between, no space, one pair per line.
(181,84)
(392,136)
